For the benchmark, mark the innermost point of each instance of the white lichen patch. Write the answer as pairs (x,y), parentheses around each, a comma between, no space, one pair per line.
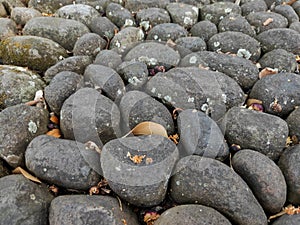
(153,90)
(147,60)
(155,37)
(244,53)
(193,60)
(32,197)
(128,23)
(31,83)
(134,81)
(216,44)
(188,21)
(146,25)
(228,10)
(196,10)
(167,98)
(191,99)
(208,17)
(32,127)
(118,44)
(140,35)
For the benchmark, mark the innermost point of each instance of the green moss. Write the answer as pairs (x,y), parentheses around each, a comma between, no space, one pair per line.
(3,97)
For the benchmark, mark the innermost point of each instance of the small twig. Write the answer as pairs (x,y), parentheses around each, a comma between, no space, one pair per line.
(120,203)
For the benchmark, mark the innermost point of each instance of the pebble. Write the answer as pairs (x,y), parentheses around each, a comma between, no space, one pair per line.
(136,5)
(151,17)
(166,31)
(194,44)
(70,209)
(119,15)
(234,42)
(279,93)
(63,163)
(104,27)
(76,64)
(108,58)
(48,7)
(20,124)
(89,44)
(293,121)
(63,85)
(137,107)
(8,28)
(191,214)
(204,29)
(276,38)
(105,80)
(289,165)
(288,220)
(267,133)
(34,52)
(21,15)
(23,201)
(216,182)
(288,12)
(253,6)
(63,31)
(200,135)
(264,178)
(77,111)
(18,85)
(140,182)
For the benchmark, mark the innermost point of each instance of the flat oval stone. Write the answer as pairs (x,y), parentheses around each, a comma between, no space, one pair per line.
(211,183)
(191,214)
(36,53)
(137,5)
(48,6)
(137,107)
(289,165)
(267,133)
(89,116)
(119,15)
(264,178)
(279,93)
(62,162)
(153,54)
(70,209)
(277,38)
(18,85)
(8,28)
(152,16)
(166,31)
(63,31)
(108,58)
(104,27)
(204,29)
(238,43)
(138,168)
(200,135)
(20,124)
(23,201)
(21,15)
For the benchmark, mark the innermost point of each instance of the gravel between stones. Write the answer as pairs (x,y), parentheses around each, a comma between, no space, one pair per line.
(220,77)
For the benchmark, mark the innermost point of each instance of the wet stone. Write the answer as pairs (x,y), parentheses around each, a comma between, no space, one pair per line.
(89,116)
(264,178)
(70,209)
(47,6)
(183,14)
(166,31)
(104,27)
(279,93)
(289,165)
(18,85)
(192,43)
(284,38)
(105,80)
(108,58)
(191,214)
(23,201)
(80,12)
(204,29)
(20,124)
(151,17)
(279,59)
(153,54)
(288,12)
(37,53)
(253,6)
(236,23)
(8,28)
(293,122)
(21,15)
(215,181)
(257,20)
(65,166)
(200,135)
(119,15)
(127,36)
(195,88)
(143,183)
(215,12)
(75,64)
(243,71)
(136,5)
(134,74)
(63,31)
(235,42)
(60,88)
(268,130)
(137,107)
(89,44)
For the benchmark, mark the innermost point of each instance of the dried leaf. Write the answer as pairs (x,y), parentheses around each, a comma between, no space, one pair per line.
(54,118)
(150,217)
(93,146)
(171,43)
(147,128)
(19,170)
(174,138)
(251,101)
(275,106)
(267,21)
(137,159)
(266,72)
(54,132)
